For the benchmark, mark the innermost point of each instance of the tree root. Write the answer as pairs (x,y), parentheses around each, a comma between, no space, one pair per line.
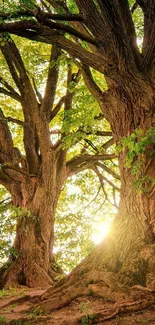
(119,299)
(127,308)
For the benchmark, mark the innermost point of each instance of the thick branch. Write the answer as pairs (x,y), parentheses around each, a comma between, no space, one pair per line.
(51,84)
(4,179)
(9,57)
(6,143)
(32,30)
(91,84)
(15,173)
(23,13)
(71,77)
(65,29)
(81,162)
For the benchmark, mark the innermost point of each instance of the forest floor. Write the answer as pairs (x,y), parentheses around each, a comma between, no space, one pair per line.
(18,307)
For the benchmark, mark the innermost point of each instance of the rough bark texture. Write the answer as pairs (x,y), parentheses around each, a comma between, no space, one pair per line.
(35,230)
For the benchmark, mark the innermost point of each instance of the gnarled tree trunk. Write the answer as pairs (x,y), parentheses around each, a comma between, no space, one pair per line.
(126,255)
(123,260)
(34,239)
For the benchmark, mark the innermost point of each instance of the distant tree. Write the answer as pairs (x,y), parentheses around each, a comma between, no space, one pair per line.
(46,135)
(104,35)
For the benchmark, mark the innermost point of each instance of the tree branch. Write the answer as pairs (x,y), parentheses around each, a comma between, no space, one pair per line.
(71,78)
(10,94)
(96,132)
(5,200)
(149,35)
(63,17)
(51,83)
(65,29)
(14,120)
(9,57)
(57,107)
(48,15)
(91,84)
(10,90)
(108,144)
(15,173)
(108,170)
(4,179)
(102,177)
(134,7)
(38,94)
(28,101)
(32,30)
(6,142)
(82,162)
(111,183)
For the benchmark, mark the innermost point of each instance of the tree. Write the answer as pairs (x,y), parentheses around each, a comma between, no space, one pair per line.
(34,170)
(103,35)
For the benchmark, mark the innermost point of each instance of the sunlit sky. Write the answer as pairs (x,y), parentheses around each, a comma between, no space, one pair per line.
(99,228)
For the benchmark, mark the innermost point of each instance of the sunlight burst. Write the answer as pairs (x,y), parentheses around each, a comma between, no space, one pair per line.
(100,231)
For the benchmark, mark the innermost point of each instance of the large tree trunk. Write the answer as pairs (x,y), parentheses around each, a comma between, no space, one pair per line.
(124,259)
(34,265)
(126,256)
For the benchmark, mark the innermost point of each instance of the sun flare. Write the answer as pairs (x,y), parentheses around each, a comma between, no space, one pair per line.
(100,232)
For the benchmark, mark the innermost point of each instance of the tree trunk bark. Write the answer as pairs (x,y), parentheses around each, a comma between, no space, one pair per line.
(124,259)
(126,255)
(34,265)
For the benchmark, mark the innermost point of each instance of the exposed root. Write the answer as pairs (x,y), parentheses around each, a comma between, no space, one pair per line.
(99,285)
(116,297)
(95,309)
(127,307)
(139,287)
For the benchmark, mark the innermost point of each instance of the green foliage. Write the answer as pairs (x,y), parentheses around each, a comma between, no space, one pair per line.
(30,4)
(11,292)
(9,214)
(72,7)
(85,319)
(37,312)
(139,145)
(7,228)
(2,320)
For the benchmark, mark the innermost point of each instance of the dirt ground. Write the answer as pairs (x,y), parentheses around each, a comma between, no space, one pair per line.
(19,308)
